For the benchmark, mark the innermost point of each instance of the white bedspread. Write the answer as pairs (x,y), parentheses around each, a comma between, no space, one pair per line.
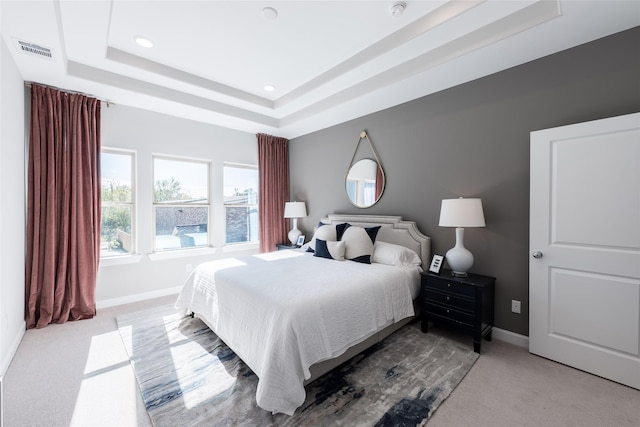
(284,311)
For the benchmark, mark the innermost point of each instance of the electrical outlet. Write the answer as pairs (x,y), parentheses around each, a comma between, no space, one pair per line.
(515,306)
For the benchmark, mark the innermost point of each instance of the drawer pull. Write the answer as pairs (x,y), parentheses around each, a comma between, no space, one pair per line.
(448,311)
(448,298)
(448,285)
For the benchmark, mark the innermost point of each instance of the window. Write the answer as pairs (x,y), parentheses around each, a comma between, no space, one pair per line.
(116,180)
(361,192)
(181,203)
(369,192)
(241,203)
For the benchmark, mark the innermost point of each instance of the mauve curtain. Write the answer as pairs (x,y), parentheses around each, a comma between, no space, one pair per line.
(379,183)
(273,166)
(63,210)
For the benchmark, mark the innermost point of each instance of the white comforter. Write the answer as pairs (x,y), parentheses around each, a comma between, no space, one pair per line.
(284,311)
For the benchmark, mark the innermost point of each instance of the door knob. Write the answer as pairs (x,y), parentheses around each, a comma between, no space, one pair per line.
(537,254)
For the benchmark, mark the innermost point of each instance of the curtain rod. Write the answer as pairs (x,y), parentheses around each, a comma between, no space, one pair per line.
(106,101)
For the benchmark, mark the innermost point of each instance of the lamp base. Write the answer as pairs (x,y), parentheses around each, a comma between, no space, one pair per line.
(459,258)
(294,233)
(459,274)
(293,236)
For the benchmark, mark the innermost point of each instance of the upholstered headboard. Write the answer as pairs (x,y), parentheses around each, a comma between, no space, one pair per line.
(393,230)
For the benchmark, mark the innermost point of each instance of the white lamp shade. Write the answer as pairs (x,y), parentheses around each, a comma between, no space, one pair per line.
(461,213)
(295,210)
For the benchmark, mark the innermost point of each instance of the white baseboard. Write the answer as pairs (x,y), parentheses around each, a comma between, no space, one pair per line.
(137,297)
(13,348)
(510,337)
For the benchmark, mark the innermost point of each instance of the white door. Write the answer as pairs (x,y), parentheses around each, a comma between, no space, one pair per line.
(584,269)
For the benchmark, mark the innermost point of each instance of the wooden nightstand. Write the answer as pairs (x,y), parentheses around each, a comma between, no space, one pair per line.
(285,246)
(462,303)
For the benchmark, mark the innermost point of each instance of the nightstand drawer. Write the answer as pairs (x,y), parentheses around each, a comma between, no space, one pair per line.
(460,302)
(451,314)
(455,287)
(463,303)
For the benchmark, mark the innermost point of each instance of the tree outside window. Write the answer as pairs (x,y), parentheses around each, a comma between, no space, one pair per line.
(117,192)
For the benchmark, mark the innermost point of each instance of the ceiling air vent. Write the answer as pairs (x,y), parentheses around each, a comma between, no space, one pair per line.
(34,49)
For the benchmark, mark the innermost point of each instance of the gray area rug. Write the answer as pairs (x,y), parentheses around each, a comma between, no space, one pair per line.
(189,377)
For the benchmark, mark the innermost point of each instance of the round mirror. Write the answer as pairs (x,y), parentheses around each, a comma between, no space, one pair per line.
(365,183)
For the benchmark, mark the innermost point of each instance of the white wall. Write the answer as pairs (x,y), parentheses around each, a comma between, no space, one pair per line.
(12,207)
(151,133)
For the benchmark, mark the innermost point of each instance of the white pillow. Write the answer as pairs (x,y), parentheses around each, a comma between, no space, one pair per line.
(305,247)
(326,232)
(390,254)
(359,243)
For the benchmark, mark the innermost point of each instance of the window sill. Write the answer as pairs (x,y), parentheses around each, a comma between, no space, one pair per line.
(182,253)
(120,260)
(240,247)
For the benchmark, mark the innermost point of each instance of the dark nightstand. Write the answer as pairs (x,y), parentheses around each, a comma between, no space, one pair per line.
(285,246)
(462,303)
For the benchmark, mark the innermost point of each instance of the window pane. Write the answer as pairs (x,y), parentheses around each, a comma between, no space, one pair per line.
(241,204)
(115,170)
(240,185)
(369,193)
(181,227)
(242,224)
(352,186)
(180,181)
(115,232)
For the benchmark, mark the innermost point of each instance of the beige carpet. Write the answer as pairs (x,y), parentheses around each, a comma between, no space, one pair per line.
(78,374)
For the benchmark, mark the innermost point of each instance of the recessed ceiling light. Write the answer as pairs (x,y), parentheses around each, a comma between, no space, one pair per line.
(269,88)
(269,13)
(397,8)
(143,41)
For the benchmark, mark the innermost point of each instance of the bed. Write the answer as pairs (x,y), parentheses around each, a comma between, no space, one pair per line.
(293,315)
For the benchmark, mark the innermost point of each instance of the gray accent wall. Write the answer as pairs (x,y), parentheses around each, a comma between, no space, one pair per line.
(472,141)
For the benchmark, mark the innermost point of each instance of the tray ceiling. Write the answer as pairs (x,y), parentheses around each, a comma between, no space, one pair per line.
(329,61)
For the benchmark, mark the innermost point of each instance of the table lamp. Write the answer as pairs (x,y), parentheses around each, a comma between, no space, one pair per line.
(294,210)
(460,213)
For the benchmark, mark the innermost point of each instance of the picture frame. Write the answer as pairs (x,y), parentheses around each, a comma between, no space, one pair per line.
(436,264)
(300,241)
